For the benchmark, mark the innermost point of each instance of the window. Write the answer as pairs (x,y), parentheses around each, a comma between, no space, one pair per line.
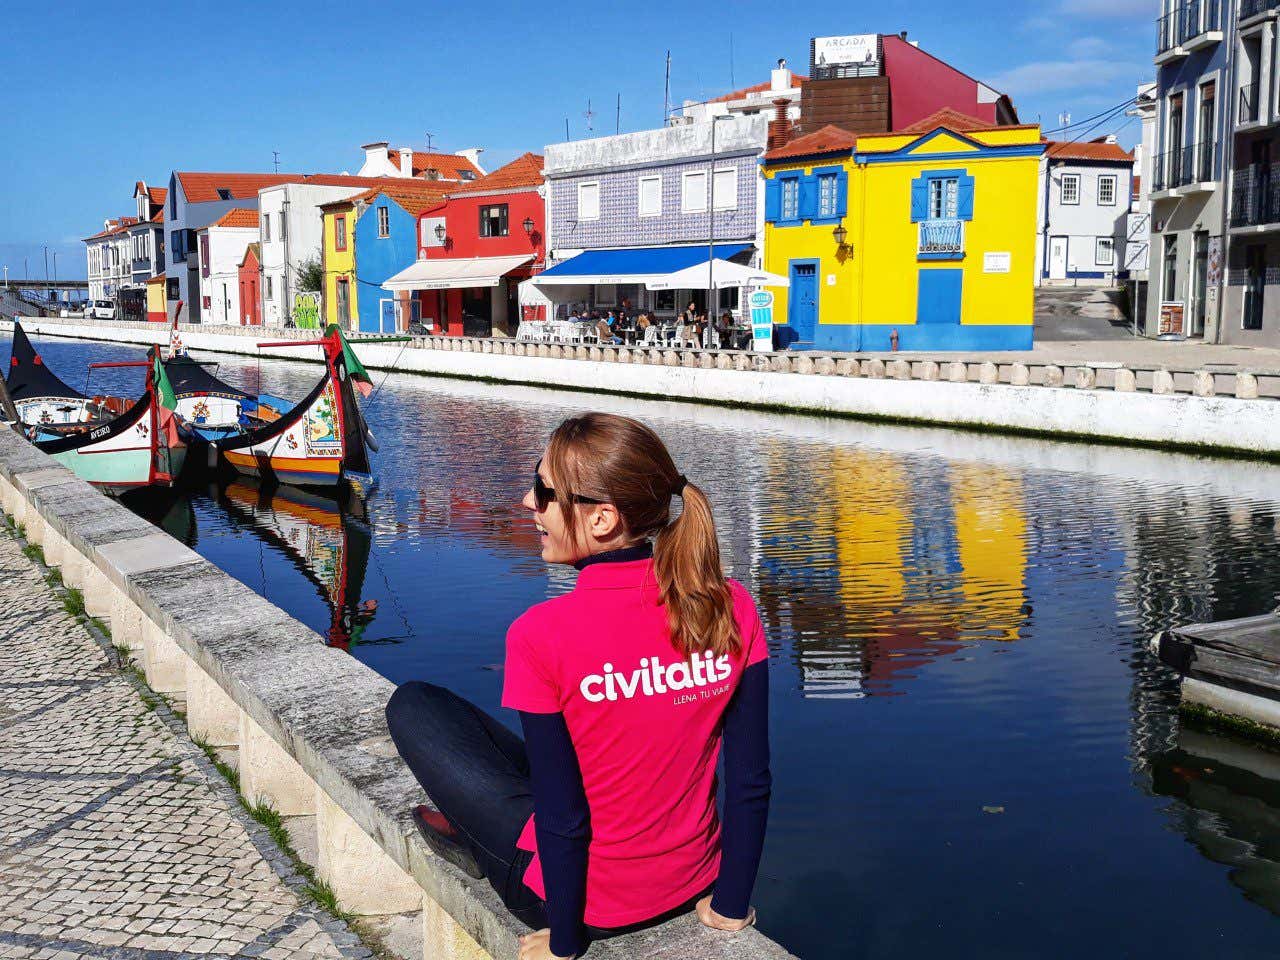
(384,222)
(270,289)
(828,199)
(171,288)
(340,232)
(493,220)
(266,227)
(284,226)
(944,198)
(724,183)
(649,201)
(1104,252)
(224,193)
(589,201)
(1107,191)
(204,254)
(1070,188)
(693,192)
(1169,289)
(790,199)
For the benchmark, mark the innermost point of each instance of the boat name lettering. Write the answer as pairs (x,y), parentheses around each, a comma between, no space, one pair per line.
(100,432)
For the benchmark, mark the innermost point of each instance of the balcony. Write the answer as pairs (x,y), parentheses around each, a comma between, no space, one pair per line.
(1185,170)
(941,240)
(1255,201)
(1247,111)
(1169,38)
(1192,26)
(1251,9)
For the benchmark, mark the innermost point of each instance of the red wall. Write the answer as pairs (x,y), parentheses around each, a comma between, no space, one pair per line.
(250,302)
(462,221)
(920,85)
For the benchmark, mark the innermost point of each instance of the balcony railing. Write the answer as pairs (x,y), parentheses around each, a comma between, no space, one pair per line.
(1248,111)
(1188,22)
(1168,32)
(1184,165)
(1251,8)
(1255,200)
(941,237)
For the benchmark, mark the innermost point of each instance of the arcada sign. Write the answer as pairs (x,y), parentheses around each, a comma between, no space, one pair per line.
(860,49)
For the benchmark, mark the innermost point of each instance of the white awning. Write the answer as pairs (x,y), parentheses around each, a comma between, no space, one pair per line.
(452,273)
(723,274)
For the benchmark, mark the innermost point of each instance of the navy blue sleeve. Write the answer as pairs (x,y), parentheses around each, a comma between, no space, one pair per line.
(562,823)
(747,785)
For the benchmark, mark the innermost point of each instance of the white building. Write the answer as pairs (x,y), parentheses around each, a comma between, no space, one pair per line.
(760,98)
(220,251)
(1083,210)
(109,257)
(405,162)
(290,228)
(1137,246)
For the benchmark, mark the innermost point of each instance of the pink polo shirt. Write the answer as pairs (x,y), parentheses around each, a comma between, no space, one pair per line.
(645,724)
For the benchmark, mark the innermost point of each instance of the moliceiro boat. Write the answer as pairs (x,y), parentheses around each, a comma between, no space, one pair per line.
(320,441)
(139,447)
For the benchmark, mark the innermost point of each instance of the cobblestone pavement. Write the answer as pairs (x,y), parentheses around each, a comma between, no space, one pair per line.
(118,838)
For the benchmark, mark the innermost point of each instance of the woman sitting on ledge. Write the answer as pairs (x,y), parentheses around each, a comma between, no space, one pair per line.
(603,819)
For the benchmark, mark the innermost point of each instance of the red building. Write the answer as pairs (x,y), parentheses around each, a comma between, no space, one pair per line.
(250,276)
(473,251)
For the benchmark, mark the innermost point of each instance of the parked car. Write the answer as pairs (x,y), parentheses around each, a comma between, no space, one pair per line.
(100,310)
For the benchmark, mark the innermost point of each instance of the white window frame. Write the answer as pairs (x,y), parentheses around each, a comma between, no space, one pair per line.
(384,222)
(732,201)
(585,213)
(1108,244)
(640,210)
(1112,179)
(684,191)
(1062,190)
(266,228)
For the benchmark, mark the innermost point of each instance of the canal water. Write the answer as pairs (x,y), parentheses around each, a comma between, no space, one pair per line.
(974,754)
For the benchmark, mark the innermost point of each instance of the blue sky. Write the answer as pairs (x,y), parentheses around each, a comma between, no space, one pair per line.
(131,92)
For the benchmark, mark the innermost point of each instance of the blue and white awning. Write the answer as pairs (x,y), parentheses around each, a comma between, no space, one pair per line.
(632,265)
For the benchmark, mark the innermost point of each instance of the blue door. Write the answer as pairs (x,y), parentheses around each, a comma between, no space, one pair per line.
(388,316)
(938,296)
(802,302)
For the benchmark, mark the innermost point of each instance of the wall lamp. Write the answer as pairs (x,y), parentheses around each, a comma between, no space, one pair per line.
(440,232)
(528,225)
(840,235)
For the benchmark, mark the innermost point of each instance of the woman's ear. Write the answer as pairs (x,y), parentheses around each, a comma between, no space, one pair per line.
(604,522)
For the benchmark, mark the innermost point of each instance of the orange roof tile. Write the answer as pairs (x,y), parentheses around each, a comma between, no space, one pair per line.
(114,225)
(958,122)
(157,194)
(830,139)
(524,172)
(448,166)
(1061,150)
(204,187)
(158,278)
(254,250)
(416,196)
(797,79)
(239,217)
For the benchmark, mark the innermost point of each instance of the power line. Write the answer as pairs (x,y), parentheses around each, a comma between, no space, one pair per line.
(1078,123)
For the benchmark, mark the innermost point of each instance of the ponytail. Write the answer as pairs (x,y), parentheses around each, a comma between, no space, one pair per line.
(607,458)
(691,583)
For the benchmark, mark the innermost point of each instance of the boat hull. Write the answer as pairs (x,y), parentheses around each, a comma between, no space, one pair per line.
(303,448)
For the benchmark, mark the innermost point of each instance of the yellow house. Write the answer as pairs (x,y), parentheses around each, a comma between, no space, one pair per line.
(338,259)
(921,239)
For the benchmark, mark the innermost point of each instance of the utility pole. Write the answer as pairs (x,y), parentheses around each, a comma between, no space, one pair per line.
(666,93)
(617,116)
(46,263)
(6,276)
(26,274)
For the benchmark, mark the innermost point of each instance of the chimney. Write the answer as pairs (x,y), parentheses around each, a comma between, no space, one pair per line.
(472,154)
(406,161)
(780,79)
(375,159)
(779,126)
(902,35)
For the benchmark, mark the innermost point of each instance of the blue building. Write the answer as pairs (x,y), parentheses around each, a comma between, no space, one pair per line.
(386,242)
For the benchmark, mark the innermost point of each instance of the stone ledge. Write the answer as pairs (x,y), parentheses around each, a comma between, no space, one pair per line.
(320,706)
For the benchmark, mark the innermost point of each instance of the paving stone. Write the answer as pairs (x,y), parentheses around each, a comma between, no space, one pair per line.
(120,839)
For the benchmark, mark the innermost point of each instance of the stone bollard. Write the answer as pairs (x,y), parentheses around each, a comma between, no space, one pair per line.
(760,363)
(556,352)
(780,363)
(846,367)
(468,345)
(269,775)
(1246,386)
(873,368)
(211,714)
(1053,375)
(899,369)
(1126,380)
(582,352)
(654,356)
(594,353)
(688,358)
(364,879)
(929,370)
(957,371)
(609,354)
(163,662)
(1202,384)
(988,372)
(671,358)
(802,364)
(824,366)
(707,361)
(1019,375)
(486,346)
(1086,378)
(724,361)
(544,350)
(741,361)
(1162,382)
(126,622)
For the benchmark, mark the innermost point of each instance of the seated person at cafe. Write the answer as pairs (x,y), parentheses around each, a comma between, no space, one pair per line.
(605,333)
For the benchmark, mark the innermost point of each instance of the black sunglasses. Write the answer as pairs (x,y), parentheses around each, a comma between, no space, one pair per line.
(543,495)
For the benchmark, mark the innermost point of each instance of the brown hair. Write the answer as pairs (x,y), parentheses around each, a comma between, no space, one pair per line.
(620,461)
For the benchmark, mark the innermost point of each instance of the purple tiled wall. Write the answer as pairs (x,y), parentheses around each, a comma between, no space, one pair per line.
(621,226)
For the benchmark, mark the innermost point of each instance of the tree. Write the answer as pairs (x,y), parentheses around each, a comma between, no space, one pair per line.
(310,275)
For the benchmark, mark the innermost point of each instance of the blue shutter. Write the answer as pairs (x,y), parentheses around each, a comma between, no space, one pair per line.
(808,197)
(772,199)
(919,199)
(842,193)
(964,199)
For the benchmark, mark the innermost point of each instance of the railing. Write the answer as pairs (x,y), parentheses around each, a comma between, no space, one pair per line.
(1248,110)
(1251,8)
(1187,22)
(1203,160)
(1168,32)
(1255,199)
(1184,165)
(941,236)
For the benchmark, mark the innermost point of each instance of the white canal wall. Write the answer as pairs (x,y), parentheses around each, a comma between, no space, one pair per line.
(1195,410)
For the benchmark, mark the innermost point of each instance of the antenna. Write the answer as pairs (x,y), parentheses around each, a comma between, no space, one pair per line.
(430,137)
(1064,119)
(275,159)
(666,93)
(589,115)
(733,84)
(566,128)
(617,116)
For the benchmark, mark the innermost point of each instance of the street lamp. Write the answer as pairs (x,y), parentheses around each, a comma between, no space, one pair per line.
(840,235)
(528,225)
(440,232)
